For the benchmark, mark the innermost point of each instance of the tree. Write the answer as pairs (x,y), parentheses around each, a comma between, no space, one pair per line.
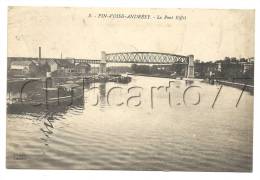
(134,67)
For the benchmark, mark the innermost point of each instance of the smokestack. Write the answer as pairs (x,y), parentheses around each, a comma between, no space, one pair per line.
(40,52)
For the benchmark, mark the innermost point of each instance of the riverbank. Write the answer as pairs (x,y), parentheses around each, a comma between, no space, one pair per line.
(153,75)
(242,86)
(245,87)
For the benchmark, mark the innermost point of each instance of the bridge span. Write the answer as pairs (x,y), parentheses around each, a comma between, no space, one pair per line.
(143,58)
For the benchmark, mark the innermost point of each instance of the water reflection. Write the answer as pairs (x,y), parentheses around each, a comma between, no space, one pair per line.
(102,92)
(188,82)
(48,127)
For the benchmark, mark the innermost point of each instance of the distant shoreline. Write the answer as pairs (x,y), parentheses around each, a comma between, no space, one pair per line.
(246,87)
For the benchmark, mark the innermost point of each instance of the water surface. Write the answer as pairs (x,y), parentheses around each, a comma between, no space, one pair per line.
(138,136)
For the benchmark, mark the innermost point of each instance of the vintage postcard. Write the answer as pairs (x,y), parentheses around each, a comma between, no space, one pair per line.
(130,89)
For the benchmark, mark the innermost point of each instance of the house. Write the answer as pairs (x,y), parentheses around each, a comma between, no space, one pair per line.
(22,67)
(53,65)
(82,68)
(219,66)
(247,67)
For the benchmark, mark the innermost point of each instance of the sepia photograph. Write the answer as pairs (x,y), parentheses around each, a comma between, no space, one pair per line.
(135,89)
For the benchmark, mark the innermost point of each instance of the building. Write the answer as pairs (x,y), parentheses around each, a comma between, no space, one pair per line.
(247,67)
(65,66)
(219,66)
(53,65)
(22,67)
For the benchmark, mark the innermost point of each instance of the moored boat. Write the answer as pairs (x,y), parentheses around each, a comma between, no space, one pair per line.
(62,94)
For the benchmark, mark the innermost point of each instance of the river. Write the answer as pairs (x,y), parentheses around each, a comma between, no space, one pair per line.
(131,127)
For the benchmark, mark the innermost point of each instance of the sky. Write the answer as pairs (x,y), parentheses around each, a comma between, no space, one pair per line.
(207,34)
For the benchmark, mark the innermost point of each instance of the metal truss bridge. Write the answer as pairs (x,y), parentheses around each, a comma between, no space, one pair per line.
(139,57)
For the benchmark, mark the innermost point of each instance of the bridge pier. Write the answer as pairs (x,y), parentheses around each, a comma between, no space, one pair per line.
(190,69)
(103,63)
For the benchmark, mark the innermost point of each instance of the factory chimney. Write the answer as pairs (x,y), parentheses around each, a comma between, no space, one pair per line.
(40,52)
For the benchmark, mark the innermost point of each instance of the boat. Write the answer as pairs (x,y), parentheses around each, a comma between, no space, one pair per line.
(84,80)
(124,79)
(173,75)
(114,77)
(65,94)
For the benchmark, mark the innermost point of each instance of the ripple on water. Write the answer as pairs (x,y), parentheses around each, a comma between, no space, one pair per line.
(181,138)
